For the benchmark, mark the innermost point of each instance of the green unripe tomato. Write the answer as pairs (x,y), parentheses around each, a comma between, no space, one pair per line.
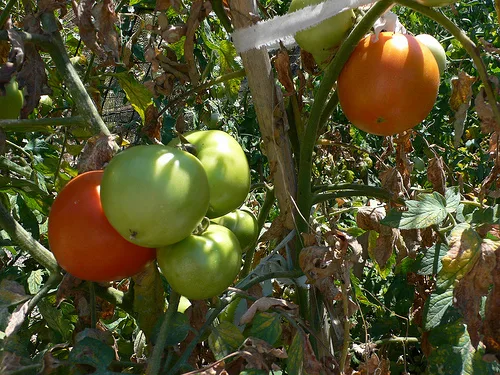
(154,195)
(12,102)
(436,48)
(243,224)
(226,166)
(322,40)
(201,266)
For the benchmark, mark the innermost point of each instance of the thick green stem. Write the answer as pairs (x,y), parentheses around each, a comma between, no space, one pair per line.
(397,340)
(57,51)
(26,242)
(13,167)
(157,356)
(6,12)
(40,124)
(363,191)
(218,8)
(304,196)
(468,45)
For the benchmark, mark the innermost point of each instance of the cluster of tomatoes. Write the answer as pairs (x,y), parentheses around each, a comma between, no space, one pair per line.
(391,80)
(150,203)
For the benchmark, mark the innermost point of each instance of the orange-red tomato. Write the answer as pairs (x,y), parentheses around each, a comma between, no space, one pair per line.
(388,85)
(83,241)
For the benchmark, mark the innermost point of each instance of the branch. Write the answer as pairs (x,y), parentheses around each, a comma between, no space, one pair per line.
(26,242)
(57,51)
(41,124)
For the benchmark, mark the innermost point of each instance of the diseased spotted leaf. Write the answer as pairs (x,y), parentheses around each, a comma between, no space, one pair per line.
(224,339)
(473,286)
(460,101)
(465,250)
(295,359)
(429,209)
(266,326)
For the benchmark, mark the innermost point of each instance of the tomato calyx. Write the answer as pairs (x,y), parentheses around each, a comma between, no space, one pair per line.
(202,226)
(185,145)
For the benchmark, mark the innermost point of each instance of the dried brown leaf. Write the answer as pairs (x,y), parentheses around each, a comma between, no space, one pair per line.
(490,180)
(436,174)
(192,24)
(403,163)
(17,318)
(369,217)
(308,62)
(311,364)
(105,20)
(174,33)
(9,362)
(152,124)
(375,365)
(460,101)
(260,355)
(266,303)
(318,262)
(484,111)
(97,152)
(276,230)
(52,5)
(392,180)
(473,286)
(491,324)
(83,19)
(384,247)
(282,66)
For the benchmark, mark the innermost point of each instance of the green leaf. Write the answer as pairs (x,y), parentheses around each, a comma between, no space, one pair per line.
(437,309)
(137,94)
(429,209)
(225,339)
(55,319)
(358,292)
(430,264)
(149,298)
(295,360)
(453,197)
(93,352)
(266,326)
(34,197)
(464,251)
(27,218)
(454,354)
(35,281)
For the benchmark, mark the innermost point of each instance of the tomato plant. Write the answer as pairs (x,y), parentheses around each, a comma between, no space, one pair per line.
(389,84)
(322,40)
(436,49)
(243,224)
(12,102)
(227,169)
(201,266)
(83,241)
(436,3)
(154,195)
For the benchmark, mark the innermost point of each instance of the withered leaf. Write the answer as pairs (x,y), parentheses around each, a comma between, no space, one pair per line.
(17,318)
(491,324)
(375,365)
(264,304)
(368,217)
(166,4)
(260,355)
(97,152)
(460,100)
(473,286)
(392,180)
(282,66)
(311,364)
(152,124)
(436,174)
(192,24)
(484,111)
(105,19)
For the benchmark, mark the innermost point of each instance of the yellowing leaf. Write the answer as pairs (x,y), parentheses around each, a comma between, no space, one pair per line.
(465,249)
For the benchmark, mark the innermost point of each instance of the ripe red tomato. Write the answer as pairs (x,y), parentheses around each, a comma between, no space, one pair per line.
(83,241)
(388,85)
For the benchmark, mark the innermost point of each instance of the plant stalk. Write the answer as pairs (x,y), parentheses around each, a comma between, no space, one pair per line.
(26,242)
(155,361)
(6,12)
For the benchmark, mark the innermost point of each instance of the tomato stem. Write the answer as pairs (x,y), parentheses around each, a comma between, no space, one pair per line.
(155,361)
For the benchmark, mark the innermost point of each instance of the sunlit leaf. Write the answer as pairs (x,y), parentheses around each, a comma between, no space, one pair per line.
(138,95)
(225,338)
